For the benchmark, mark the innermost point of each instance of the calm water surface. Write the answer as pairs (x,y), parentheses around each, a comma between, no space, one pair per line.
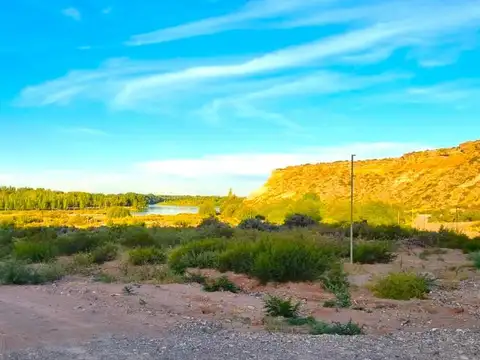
(168,210)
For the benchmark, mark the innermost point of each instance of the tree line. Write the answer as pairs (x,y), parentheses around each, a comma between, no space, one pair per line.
(12,198)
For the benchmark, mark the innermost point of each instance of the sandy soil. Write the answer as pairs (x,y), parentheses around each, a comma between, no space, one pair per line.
(77,309)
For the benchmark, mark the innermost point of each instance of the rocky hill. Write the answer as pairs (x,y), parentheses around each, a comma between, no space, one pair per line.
(431,179)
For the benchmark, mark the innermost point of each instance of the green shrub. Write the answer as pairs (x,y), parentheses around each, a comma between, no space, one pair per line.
(144,256)
(220,284)
(299,220)
(276,306)
(373,252)
(6,242)
(213,228)
(335,328)
(137,237)
(34,251)
(401,286)
(104,253)
(335,280)
(284,259)
(82,260)
(195,278)
(104,278)
(257,223)
(118,212)
(472,245)
(200,254)
(239,257)
(19,273)
(301,321)
(475,257)
(76,242)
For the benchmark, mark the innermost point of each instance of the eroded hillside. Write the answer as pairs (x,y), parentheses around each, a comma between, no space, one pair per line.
(423,180)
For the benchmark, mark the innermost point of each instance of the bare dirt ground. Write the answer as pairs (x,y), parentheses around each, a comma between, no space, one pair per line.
(77,309)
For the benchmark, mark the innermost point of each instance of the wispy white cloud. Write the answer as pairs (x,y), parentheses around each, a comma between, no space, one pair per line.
(252,11)
(288,14)
(238,86)
(213,174)
(107,10)
(261,164)
(72,13)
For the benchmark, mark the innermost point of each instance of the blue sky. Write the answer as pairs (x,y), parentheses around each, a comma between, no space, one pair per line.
(196,96)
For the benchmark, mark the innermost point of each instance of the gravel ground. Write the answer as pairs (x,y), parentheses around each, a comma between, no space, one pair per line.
(208,341)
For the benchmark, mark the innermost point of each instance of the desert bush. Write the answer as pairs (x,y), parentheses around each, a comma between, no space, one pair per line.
(19,273)
(299,220)
(143,256)
(6,242)
(213,228)
(473,245)
(335,328)
(104,253)
(76,242)
(401,286)
(276,306)
(335,280)
(82,260)
(220,284)
(34,251)
(257,224)
(283,259)
(373,252)
(137,237)
(104,278)
(195,277)
(117,212)
(239,257)
(200,254)
(475,257)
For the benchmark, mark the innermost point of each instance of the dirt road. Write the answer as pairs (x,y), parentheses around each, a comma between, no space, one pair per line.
(80,319)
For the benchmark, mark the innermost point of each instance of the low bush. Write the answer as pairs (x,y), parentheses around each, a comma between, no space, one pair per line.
(144,256)
(220,284)
(34,251)
(472,245)
(137,237)
(299,220)
(6,242)
(283,259)
(76,242)
(213,228)
(257,224)
(104,278)
(239,257)
(401,286)
(335,280)
(118,212)
(104,253)
(19,273)
(373,252)
(82,260)
(199,254)
(335,328)
(475,257)
(276,306)
(195,278)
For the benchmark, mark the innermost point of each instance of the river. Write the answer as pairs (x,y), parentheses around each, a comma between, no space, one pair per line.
(168,210)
